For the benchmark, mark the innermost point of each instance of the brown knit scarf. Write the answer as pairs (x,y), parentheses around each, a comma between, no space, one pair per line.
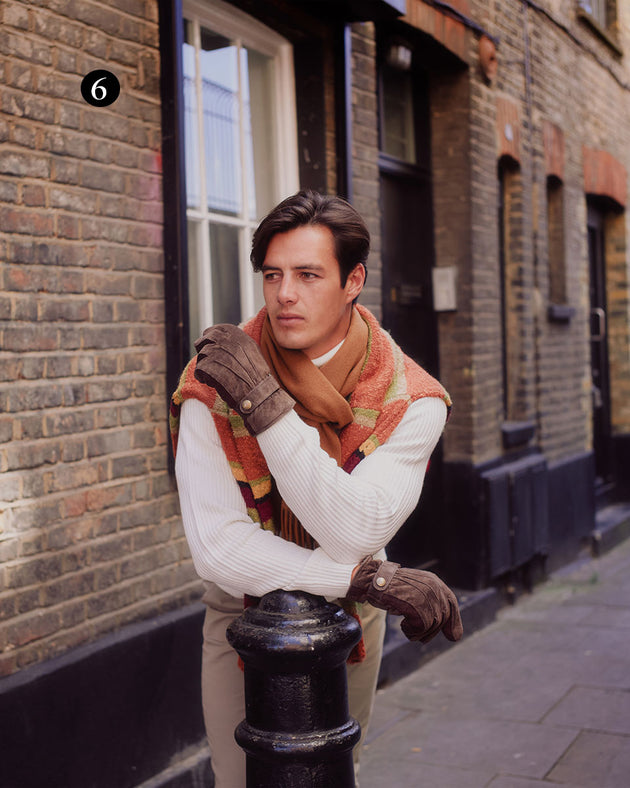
(321,395)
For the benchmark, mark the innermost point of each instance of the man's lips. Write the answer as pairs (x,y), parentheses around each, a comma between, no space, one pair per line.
(289,319)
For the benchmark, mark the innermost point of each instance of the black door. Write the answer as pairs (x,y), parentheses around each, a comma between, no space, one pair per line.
(600,371)
(408,259)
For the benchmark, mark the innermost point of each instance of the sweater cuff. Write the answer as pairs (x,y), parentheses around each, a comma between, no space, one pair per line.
(320,571)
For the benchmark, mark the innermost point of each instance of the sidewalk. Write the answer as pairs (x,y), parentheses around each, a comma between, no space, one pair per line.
(539,697)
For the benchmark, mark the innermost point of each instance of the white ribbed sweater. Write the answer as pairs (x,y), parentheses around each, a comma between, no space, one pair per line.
(349,515)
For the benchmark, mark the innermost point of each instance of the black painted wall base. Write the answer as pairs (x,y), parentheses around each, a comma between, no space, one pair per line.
(108,715)
(621,450)
(571,507)
(502,514)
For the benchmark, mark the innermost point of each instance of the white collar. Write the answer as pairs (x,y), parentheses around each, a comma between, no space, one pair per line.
(321,360)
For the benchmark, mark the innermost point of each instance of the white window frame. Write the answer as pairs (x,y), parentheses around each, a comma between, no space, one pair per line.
(245,31)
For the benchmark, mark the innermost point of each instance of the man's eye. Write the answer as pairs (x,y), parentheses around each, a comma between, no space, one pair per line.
(308,275)
(270,276)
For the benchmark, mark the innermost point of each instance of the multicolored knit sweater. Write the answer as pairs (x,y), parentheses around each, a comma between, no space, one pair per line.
(389,382)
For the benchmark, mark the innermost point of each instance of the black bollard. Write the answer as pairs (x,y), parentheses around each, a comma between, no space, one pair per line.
(297,732)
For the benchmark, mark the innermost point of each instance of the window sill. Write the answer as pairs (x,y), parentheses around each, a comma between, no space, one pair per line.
(517,433)
(560,313)
(606,35)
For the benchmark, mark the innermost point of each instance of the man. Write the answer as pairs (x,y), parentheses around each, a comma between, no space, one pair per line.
(301,446)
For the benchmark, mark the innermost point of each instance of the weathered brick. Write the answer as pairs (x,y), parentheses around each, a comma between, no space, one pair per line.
(73,199)
(102,178)
(107,365)
(73,310)
(66,143)
(34,571)
(6,429)
(30,222)
(105,497)
(68,588)
(31,455)
(56,28)
(15,16)
(8,191)
(28,106)
(24,164)
(10,487)
(34,398)
(24,310)
(34,195)
(108,442)
(28,600)
(133,465)
(68,227)
(67,62)
(31,427)
(29,337)
(32,626)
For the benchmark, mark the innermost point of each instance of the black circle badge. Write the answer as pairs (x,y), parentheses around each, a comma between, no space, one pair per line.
(100,88)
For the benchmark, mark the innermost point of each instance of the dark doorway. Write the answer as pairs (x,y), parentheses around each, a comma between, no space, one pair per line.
(408,258)
(600,369)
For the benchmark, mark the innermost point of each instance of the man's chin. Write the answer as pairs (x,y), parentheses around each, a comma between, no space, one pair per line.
(288,338)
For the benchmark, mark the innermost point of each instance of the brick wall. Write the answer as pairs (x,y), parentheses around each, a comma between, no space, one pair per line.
(365,175)
(451,164)
(557,72)
(557,76)
(89,532)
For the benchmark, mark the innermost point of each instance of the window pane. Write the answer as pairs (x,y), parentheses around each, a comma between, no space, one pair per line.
(191,129)
(219,74)
(226,300)
(257,111)
(398,123)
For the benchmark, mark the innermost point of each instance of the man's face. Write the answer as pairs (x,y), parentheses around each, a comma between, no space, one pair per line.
(308,308)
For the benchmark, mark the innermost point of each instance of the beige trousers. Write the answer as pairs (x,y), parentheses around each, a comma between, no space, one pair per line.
(223,692)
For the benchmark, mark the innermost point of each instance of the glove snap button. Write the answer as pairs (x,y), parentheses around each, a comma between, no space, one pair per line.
(246,405)
(380,582)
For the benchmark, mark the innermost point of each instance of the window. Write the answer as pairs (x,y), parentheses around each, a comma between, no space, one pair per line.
(601,17)
(514,289)
(404,105)
(240,153)
(599,10)
(398,127)
(555,241)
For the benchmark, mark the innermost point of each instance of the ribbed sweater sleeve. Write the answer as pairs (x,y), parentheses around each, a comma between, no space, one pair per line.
(227,547)
(353,515)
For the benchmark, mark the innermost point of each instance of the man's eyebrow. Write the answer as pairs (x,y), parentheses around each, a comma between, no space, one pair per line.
(296,267)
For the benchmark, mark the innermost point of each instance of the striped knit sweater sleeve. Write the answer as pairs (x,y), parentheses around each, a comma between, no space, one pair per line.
(350,515)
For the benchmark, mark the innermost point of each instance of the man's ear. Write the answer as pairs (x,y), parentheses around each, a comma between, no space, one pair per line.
(355,281)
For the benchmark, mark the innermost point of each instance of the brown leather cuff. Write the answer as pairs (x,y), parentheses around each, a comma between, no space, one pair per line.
(268,411)
(384,575)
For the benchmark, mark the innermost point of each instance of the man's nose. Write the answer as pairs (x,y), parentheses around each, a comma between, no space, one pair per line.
(287,293)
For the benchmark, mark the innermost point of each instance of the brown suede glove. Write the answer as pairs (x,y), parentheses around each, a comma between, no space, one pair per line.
(427,604)
(231,362)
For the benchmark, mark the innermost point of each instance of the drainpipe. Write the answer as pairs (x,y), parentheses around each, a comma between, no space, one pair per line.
(344,107)
(536,272)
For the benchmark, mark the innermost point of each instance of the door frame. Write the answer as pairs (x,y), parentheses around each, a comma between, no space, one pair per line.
(599,352)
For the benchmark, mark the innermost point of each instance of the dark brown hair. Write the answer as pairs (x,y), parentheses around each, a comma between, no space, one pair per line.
(351,236)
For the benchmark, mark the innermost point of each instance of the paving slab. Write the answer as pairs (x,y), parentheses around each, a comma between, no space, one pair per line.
(595,760)
(593,708)
(477,744)
(408,773)
(541,696)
